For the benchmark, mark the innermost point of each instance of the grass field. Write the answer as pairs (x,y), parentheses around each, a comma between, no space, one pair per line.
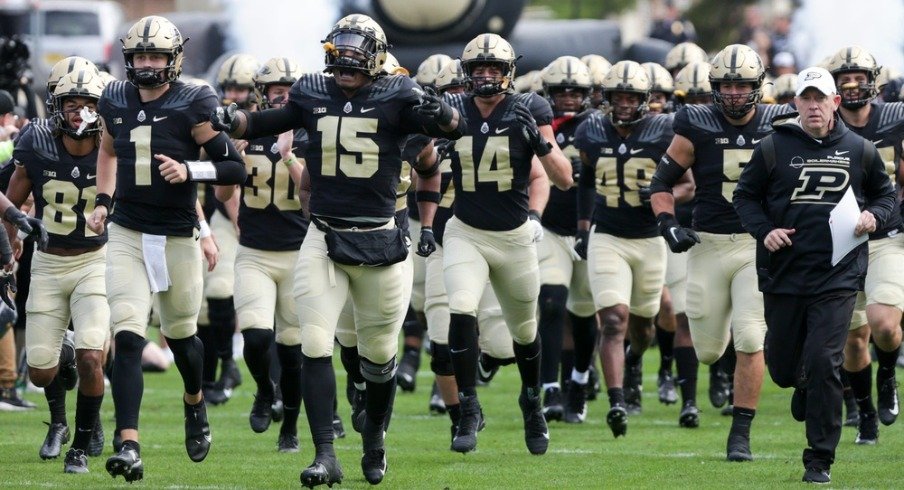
(655,454)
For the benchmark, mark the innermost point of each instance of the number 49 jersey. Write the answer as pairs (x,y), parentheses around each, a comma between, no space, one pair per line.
(620,167)
(491,165)
(721,150)
(63,185)
(145,202)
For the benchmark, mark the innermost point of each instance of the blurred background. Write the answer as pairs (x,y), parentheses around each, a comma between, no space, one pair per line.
(788,34)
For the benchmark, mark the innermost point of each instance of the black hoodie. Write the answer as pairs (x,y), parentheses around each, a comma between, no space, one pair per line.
(809,177)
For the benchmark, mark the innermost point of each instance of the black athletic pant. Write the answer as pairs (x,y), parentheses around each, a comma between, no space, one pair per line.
(805,349)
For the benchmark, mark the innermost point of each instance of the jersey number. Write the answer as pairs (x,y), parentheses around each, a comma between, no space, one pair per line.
(360,158)
(494,165)
(60,216)
(733,162)
(141,136)
(259,193)
(636,172)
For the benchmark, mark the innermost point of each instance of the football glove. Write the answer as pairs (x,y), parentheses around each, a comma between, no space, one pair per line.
(679,238)
(581,239)
(32,227)
(434,108)
(427,243)
(645,196)
(531,131)
(224,118)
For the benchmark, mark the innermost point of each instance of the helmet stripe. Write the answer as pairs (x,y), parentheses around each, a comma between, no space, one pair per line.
(146,35)
(733,67)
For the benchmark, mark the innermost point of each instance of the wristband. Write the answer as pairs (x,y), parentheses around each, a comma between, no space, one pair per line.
(534,215)
(545,148)
(205,229)
(201,171)
(104,200)
(290,160)
(427,229)
(428,196)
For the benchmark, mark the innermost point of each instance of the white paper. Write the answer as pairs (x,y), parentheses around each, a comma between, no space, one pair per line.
(154,251)
(842,222)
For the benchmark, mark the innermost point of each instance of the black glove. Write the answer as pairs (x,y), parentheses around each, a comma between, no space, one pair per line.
(32,227)
(530,131)
(645,196)
(433,107)
(224,118)
(443,148)
(427,244)
(679,238)
(580,243)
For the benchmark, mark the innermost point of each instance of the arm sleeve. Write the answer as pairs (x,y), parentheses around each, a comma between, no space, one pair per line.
(877,187)
(271,121)
(229,164)
(749,195)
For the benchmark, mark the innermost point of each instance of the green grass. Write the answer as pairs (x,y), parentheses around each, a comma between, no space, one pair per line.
(655,454)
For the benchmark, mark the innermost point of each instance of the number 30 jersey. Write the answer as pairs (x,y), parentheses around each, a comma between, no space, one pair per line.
(145,202)
(491,165)
(721,150)
(620,167)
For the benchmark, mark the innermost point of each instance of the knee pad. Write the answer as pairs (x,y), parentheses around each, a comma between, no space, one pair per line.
(552,298)
(221,312)
(257,339)
(441,360)
(378,373)
(129,345)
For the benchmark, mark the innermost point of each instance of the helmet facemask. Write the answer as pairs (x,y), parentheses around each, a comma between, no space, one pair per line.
(855,95)
(147,77)
(354,49)
(736,106)
(627,114)
(488,86)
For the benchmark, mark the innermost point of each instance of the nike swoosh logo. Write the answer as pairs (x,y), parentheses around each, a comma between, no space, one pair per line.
(363,110)
(159,118)
(636,151)
(839,153)
(227,150)
(672,231)
(755,141)
(878,141)
(501,130)
(453,351)
(91,176)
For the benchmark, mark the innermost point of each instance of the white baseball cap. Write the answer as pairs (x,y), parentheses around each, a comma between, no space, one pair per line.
(818,78)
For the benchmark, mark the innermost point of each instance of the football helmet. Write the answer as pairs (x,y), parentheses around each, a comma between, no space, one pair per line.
(569,74)
(693,81)
(661,82)
(737,63)
(357,43)
(86,84)
(630,77)
(153,34)
(768,90)
(855,59)
(62,68)
(522,83)
(430,68)
(489,49)
(275,71)
(785,87)
(598,66)
(392,66)
(238,72)
(452,76)
(682,55)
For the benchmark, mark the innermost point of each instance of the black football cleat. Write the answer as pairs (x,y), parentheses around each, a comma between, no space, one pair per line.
(689,417)
(117,441)
(553,409)
(868,429)
(197,431)
(96,444)
(852,419)
(465,439)
(57,436)
(437,405)
(406,375)
(76,461)
(373,461)
(617,419)
(888,401)
(666,387)
(359,402)
(799,404)
(126,463)
(277,409)
(738,447)
(67,372)
(230,376)
(338,428)
(214,393)
(325,470)
(287,443)
(594,387)
(575,403)
(718,387)
(633,386)
(536,432)
(261,413)
(486,369)
(816,475)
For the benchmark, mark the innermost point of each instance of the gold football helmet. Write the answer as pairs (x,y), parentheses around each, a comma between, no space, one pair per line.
(660,78)
(737,63)
(237,72)
(85,83)
(452,76)
(62,68)
(855,59)
(275,71)
(682,55)
(430,69)
(489,49)
(692,84)
(627,77)
(785,88)
(153,34)
(567,74)
(357,43)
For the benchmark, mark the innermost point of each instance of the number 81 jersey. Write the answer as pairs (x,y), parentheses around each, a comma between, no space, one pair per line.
(619,168)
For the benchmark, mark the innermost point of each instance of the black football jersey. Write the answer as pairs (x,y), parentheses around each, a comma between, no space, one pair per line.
(413,146)
(270,215)
(621,166)
(145,202)
(885,129)
(561,213)
(721,150)
(63,186)
(491,164)
(354,157)
(447,200)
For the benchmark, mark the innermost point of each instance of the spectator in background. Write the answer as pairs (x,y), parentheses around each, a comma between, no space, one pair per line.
(783,63)
(672,27)
(781,34)
(8,128)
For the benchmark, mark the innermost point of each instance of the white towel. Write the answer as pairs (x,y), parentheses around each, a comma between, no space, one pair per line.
(154,249)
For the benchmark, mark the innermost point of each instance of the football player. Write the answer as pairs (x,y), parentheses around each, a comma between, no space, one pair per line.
(785,88)
(662,86)
(508,130)
(356,121)
(564,287)
(683,54)
(879,305)
(723,302)
(598,66)
(154,129)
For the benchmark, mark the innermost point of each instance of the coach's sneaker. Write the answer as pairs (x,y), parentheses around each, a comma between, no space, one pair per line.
(96,443)
(575,403)
(689,417)
(633,385)
(76,461)
(261,413)
(799,404)
(359,402)
(197,431)
(617,419)
(406,375)
(437,405)
(817,475)
(536,433)
(287,443)
(57,435)
(718,386)
(465,439)
(325,470)
(738,447)
(373,461)
(666,384)
(552,404)
(868,431)
(888,401)
(127,463)
(852,419)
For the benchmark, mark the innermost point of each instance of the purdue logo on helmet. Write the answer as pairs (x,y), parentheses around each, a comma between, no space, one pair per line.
(237,72)
(855,59)
(62,68)
(737,63)
(356,43)
(452,77)
(682,55)
(567,74)
(275,71)
(85,84)
(627,77)
(153,34)
(692,84)
(492,50)
(430,68)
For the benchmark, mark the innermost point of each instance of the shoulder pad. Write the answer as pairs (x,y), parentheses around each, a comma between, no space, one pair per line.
(115,93)
(656,128)
(457,101)
(312,85)
(186,93)
(42,142)
(769,112)
(592,131)
(699,117)
(891,115)
(395,86)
